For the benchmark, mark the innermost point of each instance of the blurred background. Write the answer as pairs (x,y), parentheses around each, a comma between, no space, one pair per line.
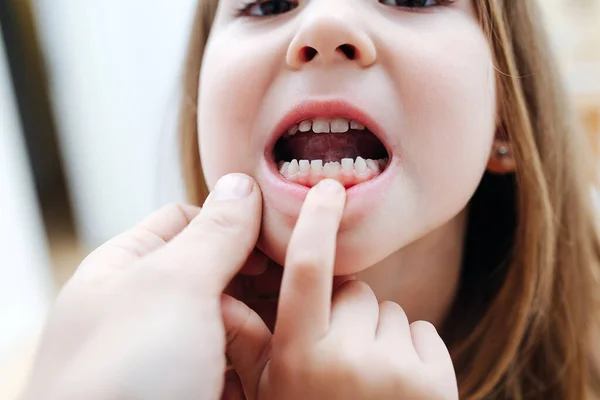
(88,106)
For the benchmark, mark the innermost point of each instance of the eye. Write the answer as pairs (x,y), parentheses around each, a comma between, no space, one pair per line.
(265,8)
(413,3)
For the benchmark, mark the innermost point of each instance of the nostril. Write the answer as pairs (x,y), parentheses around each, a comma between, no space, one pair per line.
(308,53)
(348,50)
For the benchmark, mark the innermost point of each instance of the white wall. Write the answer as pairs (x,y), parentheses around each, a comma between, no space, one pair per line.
(114,73)
(575,34)
(25,282)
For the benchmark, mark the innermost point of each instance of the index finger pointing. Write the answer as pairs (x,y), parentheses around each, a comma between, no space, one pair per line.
(306,288)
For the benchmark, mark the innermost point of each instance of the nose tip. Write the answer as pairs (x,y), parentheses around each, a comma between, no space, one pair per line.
(329,39)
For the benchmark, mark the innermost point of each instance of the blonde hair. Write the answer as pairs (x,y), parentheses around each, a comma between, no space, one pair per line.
(522,322)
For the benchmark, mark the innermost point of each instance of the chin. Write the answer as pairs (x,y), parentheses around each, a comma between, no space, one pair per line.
(357,247)
(349,259)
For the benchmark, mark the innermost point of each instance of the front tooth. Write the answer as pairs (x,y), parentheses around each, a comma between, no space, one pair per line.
(373,165)
(339,125)
(293,130)
(347,164)
(356,125)
(331,169)
(360,165)
(293,168)
(305,126)
(320,125)
(304,165)
(316,165)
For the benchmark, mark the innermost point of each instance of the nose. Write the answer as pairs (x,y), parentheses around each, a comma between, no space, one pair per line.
(329,38)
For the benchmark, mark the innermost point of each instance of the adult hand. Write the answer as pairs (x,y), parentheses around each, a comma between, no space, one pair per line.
(141,318)
(348,347)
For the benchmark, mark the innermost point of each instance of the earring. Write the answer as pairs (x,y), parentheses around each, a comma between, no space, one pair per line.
(501,160)
(502,151)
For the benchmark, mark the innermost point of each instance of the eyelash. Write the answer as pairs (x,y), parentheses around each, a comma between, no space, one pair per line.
(247,9)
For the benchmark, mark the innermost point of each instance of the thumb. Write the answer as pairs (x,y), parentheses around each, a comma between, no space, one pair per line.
(248,343)
(217,243)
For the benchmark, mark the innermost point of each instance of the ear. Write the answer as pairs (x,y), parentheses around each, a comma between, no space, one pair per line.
(501,159)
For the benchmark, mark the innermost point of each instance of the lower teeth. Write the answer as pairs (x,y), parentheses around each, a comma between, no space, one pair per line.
(349,172)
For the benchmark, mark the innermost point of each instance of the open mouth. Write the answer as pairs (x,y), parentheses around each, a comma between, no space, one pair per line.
(338,148)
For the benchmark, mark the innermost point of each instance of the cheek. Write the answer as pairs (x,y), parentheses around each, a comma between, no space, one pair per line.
(232,83)
(447,89)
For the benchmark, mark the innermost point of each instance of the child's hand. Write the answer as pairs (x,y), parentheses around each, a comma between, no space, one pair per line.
(141,318)
(348,348)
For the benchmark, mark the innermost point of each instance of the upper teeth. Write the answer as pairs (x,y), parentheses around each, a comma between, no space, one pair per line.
(325,125)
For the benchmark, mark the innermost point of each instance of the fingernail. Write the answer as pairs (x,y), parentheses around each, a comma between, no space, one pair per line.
(330,186)
(233,186)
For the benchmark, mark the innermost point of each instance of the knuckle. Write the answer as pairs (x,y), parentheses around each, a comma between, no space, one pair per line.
(393,309)
(222,220)
(424,327)
(358,288)
(173,208)
(357,291)
(391,306)
(180,211)
(239,325)
(291,365)
(306,267)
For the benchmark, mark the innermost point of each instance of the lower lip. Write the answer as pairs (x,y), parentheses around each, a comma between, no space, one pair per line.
(287,197)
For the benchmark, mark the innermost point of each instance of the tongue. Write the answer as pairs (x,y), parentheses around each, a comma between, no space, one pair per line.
(330,146)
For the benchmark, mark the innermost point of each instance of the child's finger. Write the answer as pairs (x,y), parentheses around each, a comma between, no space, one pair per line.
(256,264)
(305,296)
(217,243)
(355,311)
(429,345)
(433,352)
(232,389)
(248,342)
(393,329)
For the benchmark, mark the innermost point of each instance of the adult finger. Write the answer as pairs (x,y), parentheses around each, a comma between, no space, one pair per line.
(255,266)
(150,234)
(306,287)
(248,343)
(217,243)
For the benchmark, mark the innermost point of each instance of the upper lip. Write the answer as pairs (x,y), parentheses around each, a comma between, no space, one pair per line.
(325,109)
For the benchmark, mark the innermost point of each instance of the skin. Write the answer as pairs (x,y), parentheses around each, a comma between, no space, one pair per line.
(333,338)
(333,344)
(148,303)
(434,98)
(145,317)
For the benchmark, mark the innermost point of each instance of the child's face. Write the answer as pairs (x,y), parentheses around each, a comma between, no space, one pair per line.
(421,79)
